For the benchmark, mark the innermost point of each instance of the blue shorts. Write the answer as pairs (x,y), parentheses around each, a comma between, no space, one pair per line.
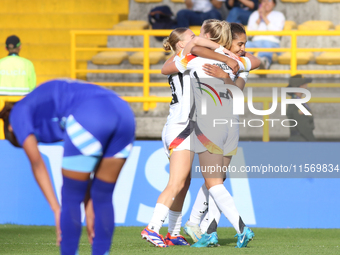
(101,127)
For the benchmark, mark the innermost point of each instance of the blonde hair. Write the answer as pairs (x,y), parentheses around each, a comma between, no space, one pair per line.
(219,32)
(176,35)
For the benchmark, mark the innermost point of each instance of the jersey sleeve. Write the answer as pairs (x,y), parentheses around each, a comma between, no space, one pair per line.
(244,63)
(184,63)
(21,122)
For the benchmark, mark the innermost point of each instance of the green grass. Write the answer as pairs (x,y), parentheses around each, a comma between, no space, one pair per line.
(33,240)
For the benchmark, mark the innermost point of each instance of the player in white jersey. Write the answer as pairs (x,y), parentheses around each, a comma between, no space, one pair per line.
(213,139)
(176,141)
(200,213)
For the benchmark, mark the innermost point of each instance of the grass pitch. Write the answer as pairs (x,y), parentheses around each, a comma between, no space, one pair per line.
(32,240)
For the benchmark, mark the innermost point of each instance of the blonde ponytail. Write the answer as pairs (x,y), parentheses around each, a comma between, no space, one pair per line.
(176,35)
(219,32)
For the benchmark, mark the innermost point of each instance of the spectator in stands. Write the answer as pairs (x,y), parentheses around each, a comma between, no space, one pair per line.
(198,11)
(262,20)
(17,75)
(303,131)
(240,10)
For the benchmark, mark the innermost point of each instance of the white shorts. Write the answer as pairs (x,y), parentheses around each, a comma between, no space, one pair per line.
(176,137)
(230,146)
(230,135)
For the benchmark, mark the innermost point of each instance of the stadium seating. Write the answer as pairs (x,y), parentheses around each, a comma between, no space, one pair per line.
(329,1)
(328,58)
(303,58)
(131,25)
(44,29)
(195,28)
(290,25)
(148,1)
(109,58)
(178,1)
(316,25)
(138,58)
(294,1)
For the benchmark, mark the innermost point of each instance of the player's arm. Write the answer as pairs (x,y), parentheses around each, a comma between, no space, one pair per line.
(207,53)
(255,62)
(169,66)
(204,42)
(217,72)
(42,177)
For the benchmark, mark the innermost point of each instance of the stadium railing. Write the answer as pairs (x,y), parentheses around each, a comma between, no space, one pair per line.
(149,101)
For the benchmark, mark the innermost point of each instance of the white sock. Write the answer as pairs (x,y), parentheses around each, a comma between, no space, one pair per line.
(158,217)
(205,222)
(214,215)
(175,222)
(200,205)
(226,204)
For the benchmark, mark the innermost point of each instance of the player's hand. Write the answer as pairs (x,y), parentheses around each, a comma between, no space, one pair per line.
(57,225)
(232,63)
(89,221)
(215,71)
(232,55)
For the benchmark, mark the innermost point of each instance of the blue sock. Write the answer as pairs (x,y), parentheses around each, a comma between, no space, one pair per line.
(101,194)
(73,193)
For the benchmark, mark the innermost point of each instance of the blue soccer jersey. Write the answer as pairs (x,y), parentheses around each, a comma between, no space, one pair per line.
(92,121)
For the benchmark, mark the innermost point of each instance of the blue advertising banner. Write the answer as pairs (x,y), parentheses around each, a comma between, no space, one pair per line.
(276,185)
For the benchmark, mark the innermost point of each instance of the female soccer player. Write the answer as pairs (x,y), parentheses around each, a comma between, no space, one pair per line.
(211,218)
(176,139)
(214,138)
(97,128)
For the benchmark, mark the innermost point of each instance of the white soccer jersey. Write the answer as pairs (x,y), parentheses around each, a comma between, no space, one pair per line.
(180,102)
(213,105)
(194,64)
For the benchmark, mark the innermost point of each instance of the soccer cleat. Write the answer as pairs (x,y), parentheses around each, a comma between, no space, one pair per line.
(207,240)
(244,238)
(154,238)
(193,231)
(175,240)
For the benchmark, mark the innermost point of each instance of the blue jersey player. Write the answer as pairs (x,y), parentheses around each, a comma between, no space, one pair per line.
(97,128)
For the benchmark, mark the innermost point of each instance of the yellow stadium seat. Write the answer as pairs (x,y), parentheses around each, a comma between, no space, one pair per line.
(138,57)
(289,25)
(192,28)
(316,25)
(329,1)
(294,1)
(178,1)
(274,57)
(131,25)
(337,27)
(328,58)
(302,58)
(148,1)
(109,58)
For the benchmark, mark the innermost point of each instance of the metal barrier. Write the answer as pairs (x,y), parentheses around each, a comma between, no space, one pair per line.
(146,71)
(264,100)
(294,34)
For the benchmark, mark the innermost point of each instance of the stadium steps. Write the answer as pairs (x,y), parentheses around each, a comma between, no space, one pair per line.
(44,29)
(51,36)
(63,6)
(58,20)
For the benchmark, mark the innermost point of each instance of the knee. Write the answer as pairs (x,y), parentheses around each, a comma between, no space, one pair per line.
(176,188)
(181,14)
